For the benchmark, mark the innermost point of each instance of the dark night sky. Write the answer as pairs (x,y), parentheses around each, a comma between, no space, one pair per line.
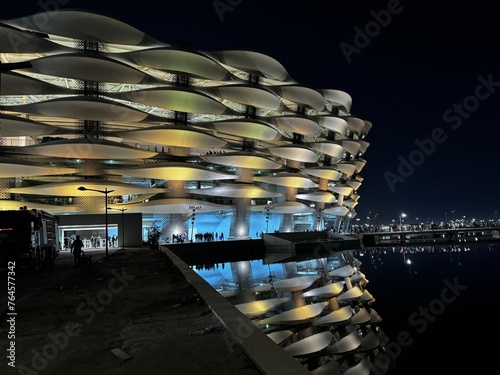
(408,80)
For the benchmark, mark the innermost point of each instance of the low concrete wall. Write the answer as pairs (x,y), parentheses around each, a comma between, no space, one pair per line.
(268,358)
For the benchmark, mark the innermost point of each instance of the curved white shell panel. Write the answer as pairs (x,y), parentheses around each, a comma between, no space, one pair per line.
(351,146)
(310,345)
(31,43)
(244,160)
(295,152)
(70,189)
(363,146)
(340,316)
(331,368)
(75,24)
(245,94)
(237,191)
(367,127)
(338,99)
(359,163)
(85,108)
(20,168)
(89,67)
(350,203)
(287,207)
(7,204)
(12,126)
(174,171)
(346,167)
(355,184)
(287,179)
(172,206)
(318,196)
(337,211)
(295,283)
(256,308)
(247,128)
(328,173)
(355,124)
(176,99)
(352,294)
(331,148)
(279,336)
(329,290)
(18,84)
(361,317)
(301,95)
(297,124)
(190,63)
(375,317)
(84,148)
(252,62)
(297,315)
(369,342)
(333,123)
(361,368)
(346,344)
(342,189)
(173,135)
(344,271)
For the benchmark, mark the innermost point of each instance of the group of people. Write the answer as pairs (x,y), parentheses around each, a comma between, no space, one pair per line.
(208,236)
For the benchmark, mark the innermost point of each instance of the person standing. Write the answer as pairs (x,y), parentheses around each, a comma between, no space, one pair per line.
(76,248)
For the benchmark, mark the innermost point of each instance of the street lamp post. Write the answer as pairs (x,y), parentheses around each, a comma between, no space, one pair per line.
(268,208)
(105,192)
(194,208)
(401,216)
(123,223)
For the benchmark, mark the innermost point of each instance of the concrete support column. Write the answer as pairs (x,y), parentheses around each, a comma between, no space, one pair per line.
(320,206)
(347,221)
(290,194)
(323,184)
(242,274)
(334,304)
(286,223)
(290,269)
(244,175)
(175,224)
(240,222)
(298,298)
(299,301)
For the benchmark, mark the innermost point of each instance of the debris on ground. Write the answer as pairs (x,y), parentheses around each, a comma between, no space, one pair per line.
(206,330)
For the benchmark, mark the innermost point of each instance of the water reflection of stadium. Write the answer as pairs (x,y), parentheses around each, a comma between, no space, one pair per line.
(317,310)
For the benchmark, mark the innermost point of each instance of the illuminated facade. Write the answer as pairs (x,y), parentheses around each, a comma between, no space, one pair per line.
(224,137)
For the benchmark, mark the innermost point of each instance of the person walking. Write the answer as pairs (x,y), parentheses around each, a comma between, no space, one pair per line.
(76,248)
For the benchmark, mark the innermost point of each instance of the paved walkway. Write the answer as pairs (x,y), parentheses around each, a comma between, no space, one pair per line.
(131,314)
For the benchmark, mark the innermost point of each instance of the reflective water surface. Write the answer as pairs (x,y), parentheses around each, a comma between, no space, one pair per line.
(384,310)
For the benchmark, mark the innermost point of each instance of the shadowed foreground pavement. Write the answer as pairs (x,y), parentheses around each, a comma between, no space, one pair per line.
(136,301)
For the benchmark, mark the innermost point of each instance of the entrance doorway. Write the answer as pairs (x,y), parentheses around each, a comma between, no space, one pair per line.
(93,236)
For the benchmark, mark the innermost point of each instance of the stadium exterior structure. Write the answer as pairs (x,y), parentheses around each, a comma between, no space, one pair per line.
(226,138)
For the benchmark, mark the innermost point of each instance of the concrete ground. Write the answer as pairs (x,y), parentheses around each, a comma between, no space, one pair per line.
(133,313)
